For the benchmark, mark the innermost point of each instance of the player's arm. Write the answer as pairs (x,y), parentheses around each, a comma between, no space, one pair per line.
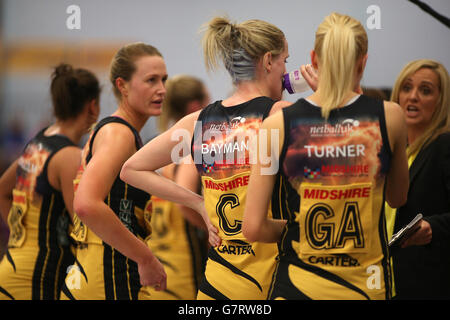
(257,226)
(113,144)
(7,183)
(171,146)
(140,170)
(397,182)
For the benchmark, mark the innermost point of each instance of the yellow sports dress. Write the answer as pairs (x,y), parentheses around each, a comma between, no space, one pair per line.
(221,148)
(39,253)
(334,245)
(180,247)
(100,272)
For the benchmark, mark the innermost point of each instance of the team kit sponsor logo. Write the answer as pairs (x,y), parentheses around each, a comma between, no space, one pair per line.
(334,260)
(237,249)
(327,170)
(228,185)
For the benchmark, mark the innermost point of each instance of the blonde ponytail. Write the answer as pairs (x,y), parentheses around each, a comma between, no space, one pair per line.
(239,46)
(340,42)
(216,41)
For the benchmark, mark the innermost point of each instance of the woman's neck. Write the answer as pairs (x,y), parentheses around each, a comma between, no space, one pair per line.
(414,133)
(72,129)
(245,91)
(316,98)
(136,120)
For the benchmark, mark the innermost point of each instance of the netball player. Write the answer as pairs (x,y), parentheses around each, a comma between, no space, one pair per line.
(112,218)
(178,235)
(254,52)
(36,191)
(339,155)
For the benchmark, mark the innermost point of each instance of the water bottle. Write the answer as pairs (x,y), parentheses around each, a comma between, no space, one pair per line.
(294,82)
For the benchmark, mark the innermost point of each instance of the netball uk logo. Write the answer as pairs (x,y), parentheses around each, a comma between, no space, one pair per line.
(225,126)
(335,130)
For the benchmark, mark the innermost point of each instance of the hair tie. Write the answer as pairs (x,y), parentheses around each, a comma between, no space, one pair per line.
(234,31)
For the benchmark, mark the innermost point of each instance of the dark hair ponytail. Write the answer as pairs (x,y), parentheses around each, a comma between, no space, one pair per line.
(71,89)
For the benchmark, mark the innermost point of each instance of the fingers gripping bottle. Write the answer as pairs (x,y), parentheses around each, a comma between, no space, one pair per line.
(294,82)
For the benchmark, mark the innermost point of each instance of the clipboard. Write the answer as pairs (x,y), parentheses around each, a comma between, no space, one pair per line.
(406,231)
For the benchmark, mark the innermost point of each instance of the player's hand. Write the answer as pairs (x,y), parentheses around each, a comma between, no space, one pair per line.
(310,75)
(151,273)
(213,236)
(213,233)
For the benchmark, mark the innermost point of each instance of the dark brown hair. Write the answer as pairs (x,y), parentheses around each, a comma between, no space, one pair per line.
(71,89)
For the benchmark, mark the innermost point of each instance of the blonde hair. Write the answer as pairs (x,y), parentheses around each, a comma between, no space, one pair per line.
(239,46)
(440,121)
(340,41)
(180,90)
(122,65)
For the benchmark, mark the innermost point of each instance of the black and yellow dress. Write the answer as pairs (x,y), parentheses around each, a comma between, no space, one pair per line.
(334,245)
(39,252)
(179,246)
(100,272)
(221,148)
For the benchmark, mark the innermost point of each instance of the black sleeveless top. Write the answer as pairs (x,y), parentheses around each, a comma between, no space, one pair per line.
(38,218)
(123,198)
(32,178)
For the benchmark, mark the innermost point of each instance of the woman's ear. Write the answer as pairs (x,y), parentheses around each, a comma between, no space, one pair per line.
(314,59)
(362,66)
(93,109)
(267,62)
(121,85)
(94,106)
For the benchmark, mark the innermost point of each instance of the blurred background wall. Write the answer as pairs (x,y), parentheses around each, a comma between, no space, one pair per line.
(34,37)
